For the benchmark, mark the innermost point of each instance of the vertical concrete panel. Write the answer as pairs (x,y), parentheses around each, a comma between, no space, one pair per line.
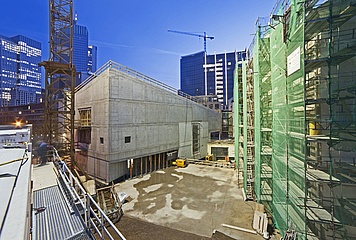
(204,138)
(185,140)
(137,110)
(118,169)
(141,138)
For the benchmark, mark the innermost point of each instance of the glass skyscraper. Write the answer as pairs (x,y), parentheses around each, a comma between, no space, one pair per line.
(92,59)
(20,75)
(80,52)
(84,56)
(211,76)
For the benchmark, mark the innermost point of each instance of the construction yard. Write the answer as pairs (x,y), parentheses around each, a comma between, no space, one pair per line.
(186,203)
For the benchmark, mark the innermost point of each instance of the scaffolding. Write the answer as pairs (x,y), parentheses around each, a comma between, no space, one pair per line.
(263,114)
(238,122)
(330,117)
(304,93)
(244,135)
(60,79)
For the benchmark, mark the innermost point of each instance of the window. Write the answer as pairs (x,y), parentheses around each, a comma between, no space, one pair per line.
(128,139)
(101,140)
(84,135)
(220,152)
(85,117)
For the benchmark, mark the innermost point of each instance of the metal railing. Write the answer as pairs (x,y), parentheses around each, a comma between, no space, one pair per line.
(138,75)
(94,217)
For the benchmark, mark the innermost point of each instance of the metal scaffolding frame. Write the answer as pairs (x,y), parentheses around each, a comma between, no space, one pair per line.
(244,132)
(263,115)
(60,79)
(304,61)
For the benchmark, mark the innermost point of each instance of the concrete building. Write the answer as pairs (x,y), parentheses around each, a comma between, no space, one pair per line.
(25,114)
(222,150)
(129,123)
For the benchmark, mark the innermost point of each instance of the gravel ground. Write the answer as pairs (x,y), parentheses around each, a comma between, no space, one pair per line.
(186,203)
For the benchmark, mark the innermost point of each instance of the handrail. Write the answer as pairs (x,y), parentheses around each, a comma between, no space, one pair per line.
(80,195)
(134,73)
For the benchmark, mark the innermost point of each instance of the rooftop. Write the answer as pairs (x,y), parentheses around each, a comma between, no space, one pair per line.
(15,177)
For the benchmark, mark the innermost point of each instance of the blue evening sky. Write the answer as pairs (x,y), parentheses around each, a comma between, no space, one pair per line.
(134,32)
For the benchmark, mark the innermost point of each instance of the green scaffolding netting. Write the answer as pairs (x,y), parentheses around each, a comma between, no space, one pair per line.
(304,118)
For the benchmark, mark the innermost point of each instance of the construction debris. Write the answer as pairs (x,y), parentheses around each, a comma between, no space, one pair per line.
(111,202)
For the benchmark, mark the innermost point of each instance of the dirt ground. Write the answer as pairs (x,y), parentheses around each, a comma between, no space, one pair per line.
(136,229)
(186,203)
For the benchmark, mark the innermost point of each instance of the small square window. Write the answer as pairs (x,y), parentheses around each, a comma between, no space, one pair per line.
(128,139)
(101,140)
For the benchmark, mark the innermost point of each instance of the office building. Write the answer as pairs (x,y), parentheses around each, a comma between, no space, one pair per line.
(203,74)
(20,75)
(80,52)
(92,58)
(84,56)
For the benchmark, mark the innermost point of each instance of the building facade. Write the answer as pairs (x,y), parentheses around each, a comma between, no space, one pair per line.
(20,75)
(203,74)
(25,114)
(92,58)
(130,125)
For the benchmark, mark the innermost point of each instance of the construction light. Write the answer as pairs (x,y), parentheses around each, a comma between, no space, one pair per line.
(18,124)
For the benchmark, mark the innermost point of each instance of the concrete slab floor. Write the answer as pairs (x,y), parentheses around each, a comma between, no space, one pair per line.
(196,199)
(43,176)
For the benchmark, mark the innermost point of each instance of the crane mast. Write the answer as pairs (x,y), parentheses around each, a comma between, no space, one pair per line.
(60,79)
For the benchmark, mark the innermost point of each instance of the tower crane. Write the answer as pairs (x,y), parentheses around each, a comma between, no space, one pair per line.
(205,36)
(60,79)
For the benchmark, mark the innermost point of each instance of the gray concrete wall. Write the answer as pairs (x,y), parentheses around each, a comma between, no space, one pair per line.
(95,96)
(155,119)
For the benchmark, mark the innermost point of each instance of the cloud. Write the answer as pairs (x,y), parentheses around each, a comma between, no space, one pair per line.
(120,46)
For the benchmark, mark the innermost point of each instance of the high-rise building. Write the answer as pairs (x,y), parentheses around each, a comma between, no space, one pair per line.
(84,56)
(92,58)
(203,74)
(80,52)
(20,75)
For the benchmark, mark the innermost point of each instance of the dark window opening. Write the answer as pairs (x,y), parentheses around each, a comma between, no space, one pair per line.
(102,140)
(220,153)
(128,139)
(84,135)
(196,137)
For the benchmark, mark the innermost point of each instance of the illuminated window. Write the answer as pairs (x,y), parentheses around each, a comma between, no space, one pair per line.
(85,117)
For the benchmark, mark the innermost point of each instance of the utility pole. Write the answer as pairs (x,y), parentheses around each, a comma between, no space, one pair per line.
(60,79)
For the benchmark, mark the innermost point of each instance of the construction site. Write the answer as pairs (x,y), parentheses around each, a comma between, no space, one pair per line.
(295,118)
(129,157)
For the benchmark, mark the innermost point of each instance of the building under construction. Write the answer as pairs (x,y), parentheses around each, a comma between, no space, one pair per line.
(128,124)
(295,118)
